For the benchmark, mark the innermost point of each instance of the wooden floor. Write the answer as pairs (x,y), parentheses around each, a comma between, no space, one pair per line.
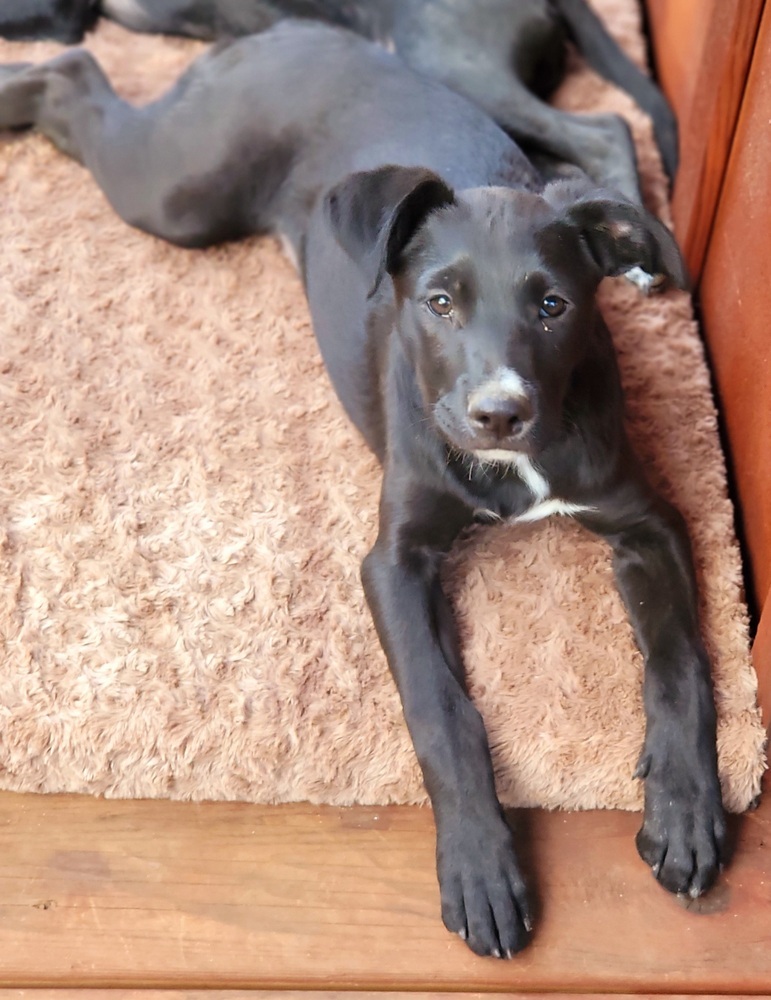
(160,895)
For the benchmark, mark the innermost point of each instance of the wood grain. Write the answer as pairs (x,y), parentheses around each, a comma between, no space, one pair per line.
(680,29)
(710,45)
(734,297)
(170,895)
(66,994)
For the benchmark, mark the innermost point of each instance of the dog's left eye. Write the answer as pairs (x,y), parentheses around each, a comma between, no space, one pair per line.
(440,305)
(552,306)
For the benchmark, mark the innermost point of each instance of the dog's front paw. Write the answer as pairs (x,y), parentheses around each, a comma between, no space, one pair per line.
(483,893)
(683,833)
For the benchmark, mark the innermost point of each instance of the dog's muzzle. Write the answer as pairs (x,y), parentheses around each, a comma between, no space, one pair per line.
(500,412)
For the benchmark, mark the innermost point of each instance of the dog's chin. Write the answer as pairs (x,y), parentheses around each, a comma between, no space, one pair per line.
(487,448)
(494,453)
(500,456)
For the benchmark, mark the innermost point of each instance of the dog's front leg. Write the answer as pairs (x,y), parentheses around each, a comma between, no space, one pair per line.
(482,892)
(683,833)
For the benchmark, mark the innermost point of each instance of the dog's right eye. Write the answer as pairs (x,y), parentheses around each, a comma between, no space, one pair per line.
(552,306)
(440,305)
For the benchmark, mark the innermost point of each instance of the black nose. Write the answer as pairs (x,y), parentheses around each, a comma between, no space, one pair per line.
(500,416)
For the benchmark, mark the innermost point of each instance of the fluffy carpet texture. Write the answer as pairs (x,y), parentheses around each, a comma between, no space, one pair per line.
(183,509)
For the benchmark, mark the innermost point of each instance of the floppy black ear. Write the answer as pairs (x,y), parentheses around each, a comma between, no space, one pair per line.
(375,213)
(618,235)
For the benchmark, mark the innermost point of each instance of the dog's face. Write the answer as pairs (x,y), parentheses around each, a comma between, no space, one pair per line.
(495,293)
(495,314)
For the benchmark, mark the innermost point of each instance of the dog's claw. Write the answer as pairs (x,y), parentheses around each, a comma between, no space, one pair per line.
(643,766)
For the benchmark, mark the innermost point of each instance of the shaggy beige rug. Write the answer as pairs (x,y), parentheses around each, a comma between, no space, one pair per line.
(183,508)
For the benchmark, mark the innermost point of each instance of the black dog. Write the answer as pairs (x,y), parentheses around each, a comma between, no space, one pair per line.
(63,20)
(453,300)
(504,55)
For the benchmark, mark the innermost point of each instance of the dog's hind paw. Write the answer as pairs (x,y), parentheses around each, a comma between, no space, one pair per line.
(649,284)
(15,113)
(7,70)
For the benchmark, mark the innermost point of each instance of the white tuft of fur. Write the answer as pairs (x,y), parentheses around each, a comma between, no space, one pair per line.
(648,284)
(548,507)
(527,470)
(504,382)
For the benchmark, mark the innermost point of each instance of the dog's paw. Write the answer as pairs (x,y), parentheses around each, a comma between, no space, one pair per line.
(684,831)
(484,899)
(10,70)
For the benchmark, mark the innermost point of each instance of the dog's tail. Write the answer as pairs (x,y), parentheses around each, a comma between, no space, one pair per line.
(604,55)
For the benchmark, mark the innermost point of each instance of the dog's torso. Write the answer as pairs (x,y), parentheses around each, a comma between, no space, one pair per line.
(381,114)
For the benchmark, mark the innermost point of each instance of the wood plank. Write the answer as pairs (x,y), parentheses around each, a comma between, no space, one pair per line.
(98,893)
(727,30)
(66,994)
(734,297)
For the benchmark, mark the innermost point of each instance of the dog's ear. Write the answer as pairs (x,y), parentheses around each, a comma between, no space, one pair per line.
(617,236)
(374,214)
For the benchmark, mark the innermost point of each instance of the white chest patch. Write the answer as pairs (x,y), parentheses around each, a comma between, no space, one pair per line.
(532,477)
(536,482)
(548,507)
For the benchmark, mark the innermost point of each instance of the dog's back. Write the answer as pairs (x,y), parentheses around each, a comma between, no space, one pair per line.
(359,108)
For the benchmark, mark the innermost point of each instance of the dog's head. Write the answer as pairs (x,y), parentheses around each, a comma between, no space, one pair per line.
(495,292)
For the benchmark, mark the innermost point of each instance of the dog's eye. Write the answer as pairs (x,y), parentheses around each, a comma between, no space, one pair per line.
(552,306)
(440,305)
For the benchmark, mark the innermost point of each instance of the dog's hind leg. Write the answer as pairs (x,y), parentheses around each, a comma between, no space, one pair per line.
(213,19)
(604,55)
(600,145)
(64,20)
(52,98)
(161,169)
